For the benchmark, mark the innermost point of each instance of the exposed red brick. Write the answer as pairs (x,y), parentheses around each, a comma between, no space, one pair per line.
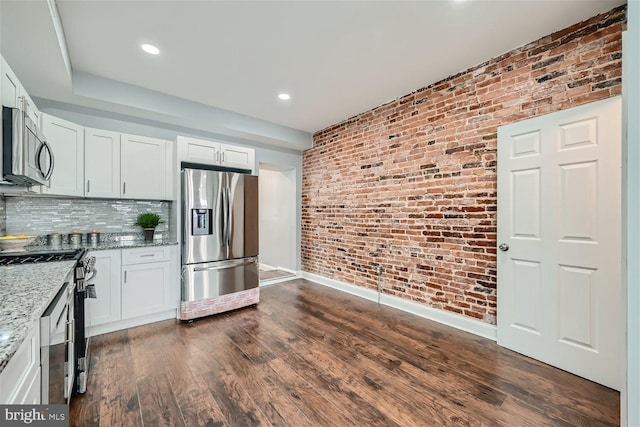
(411,185)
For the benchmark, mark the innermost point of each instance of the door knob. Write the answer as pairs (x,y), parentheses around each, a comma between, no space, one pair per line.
(503,247)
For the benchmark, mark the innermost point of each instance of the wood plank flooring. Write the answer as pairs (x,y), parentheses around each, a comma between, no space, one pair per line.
(308,355)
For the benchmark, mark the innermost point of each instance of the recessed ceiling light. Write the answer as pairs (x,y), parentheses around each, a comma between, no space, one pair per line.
(284,96)
(149,48)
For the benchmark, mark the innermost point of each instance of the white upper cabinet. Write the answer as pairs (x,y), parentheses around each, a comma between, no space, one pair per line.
(67,143)
(144,167)
(11,87)
(12,91)
(199,151)
(101,163)
(232,156)
(214,153)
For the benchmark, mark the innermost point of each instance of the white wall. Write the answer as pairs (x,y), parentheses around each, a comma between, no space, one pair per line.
(630,395)
(278,217)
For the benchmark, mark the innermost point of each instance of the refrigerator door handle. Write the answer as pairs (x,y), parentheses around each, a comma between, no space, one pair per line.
(225,220)
(229,218)
(225,267)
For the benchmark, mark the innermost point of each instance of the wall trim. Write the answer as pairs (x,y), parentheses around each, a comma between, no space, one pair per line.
(270,282)
(453,320)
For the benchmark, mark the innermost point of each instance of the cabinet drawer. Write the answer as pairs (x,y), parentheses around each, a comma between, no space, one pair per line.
(145,255)
(21,368)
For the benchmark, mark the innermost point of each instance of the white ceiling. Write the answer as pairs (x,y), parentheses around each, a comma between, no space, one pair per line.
(336,58)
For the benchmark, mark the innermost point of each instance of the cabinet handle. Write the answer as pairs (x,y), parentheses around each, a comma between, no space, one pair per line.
(125,276)
(222,157)
(88,185)
(217,157)
(124,188)
(147,255)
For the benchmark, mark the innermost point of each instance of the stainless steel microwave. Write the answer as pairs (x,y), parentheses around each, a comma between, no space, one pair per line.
(27,159)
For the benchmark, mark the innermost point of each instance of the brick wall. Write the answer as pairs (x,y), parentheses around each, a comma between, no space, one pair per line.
(411,185)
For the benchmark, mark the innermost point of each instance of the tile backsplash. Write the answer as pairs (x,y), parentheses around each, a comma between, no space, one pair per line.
(40,216)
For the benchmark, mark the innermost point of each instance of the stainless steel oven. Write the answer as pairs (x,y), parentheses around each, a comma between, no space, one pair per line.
(57,346)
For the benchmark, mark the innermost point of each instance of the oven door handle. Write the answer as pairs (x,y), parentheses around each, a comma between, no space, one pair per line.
(94,273)
(49,172)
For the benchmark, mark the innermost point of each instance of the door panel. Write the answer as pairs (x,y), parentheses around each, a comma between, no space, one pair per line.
(526,203)
(559,212)
(526,276)
(576,318)
(579,196)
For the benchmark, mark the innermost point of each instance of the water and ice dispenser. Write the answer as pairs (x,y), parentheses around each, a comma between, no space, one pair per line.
(201,220)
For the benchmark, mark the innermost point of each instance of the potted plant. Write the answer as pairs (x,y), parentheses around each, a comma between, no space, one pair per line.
(148,221)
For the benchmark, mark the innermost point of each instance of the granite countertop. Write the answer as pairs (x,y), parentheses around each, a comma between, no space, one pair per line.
(25,293)
(103,246)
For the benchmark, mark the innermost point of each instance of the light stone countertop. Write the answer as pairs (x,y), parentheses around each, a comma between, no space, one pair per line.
(103,246)
(25,293)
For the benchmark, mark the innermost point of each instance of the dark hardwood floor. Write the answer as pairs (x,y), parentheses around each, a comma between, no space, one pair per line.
(308,355)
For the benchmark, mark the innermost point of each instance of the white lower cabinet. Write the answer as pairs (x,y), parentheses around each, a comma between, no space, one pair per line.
(145,289)
(105,307)
(133,287)
(20,379)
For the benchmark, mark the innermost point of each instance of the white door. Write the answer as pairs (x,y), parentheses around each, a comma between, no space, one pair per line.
(145,289)
(143,167)
(233,156)
(102,163)
(559,237)
(67,144)
(105,307)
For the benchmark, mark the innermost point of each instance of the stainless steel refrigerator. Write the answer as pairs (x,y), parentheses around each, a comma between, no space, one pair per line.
(219,242)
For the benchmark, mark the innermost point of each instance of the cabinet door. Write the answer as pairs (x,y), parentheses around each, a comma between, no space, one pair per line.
(199,151)
(145,289)
(237,157)
(143,168)
(32,111)
(105,307)
(67,143)
(10,86)
(102,163)
(17,377)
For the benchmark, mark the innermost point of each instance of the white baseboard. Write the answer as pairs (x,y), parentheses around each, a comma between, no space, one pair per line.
(288,270)
(365,293)
(268,267)
(131,323)
(270,282)
(454,320)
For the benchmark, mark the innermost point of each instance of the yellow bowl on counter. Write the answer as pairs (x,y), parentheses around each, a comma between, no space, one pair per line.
(15,243)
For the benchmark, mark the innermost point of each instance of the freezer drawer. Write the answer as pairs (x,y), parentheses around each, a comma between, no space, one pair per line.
(210,280)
